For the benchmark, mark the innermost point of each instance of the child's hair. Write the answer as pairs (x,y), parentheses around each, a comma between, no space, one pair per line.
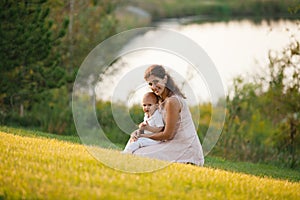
(152,95)
(160,72)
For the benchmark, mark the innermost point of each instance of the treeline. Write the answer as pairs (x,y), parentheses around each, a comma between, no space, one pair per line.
(220,9)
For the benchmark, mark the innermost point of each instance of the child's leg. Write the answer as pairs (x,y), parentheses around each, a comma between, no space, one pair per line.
(132,146)
(147,142)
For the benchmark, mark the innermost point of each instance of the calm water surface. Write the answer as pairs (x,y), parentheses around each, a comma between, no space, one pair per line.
(235,47)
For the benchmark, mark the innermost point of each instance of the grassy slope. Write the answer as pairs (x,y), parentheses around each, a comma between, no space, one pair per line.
(39,168)
(261,170)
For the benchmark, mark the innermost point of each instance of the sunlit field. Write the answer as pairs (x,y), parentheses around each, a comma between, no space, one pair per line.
(47,168)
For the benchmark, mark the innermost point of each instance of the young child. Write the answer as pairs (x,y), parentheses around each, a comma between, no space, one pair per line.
(152,123)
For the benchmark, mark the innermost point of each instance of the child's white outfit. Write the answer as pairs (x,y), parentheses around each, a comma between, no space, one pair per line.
(155,120)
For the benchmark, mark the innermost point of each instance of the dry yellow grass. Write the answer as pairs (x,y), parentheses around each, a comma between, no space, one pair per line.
(40,168)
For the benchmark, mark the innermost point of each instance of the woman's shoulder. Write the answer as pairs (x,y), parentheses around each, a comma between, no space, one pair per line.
(175,98)
(173,101)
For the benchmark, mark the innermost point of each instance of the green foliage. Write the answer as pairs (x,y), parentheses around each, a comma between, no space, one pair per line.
(108,122)
(246,132)
(204,119)
(56,104)
(283,94)
(263,125)
(33,51)
(136,113)
(52,113)
(219,9)
(90,22)
(28,64)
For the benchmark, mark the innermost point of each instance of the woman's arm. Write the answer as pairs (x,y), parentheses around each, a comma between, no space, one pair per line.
(172,107)
(153,129)
(147,127)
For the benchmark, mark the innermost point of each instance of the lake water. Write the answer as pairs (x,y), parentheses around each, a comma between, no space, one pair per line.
(235,47)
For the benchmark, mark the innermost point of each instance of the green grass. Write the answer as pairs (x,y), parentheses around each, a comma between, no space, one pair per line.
(261,170)
(36,165)
(39,134)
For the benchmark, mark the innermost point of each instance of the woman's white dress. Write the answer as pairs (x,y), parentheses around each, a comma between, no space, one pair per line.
(185,147)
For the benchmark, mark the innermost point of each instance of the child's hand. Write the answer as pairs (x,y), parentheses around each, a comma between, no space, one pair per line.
(134,136)
(143,125)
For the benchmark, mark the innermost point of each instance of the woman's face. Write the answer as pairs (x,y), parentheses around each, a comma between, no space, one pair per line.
(156,84)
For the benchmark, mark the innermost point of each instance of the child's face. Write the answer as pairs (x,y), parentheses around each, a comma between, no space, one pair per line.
(149,105)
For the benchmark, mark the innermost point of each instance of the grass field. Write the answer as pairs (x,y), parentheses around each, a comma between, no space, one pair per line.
(37,166)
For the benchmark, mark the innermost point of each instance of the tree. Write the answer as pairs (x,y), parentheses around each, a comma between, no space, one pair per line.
(28,64)
(283,97)
(263,116)
(90,22)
